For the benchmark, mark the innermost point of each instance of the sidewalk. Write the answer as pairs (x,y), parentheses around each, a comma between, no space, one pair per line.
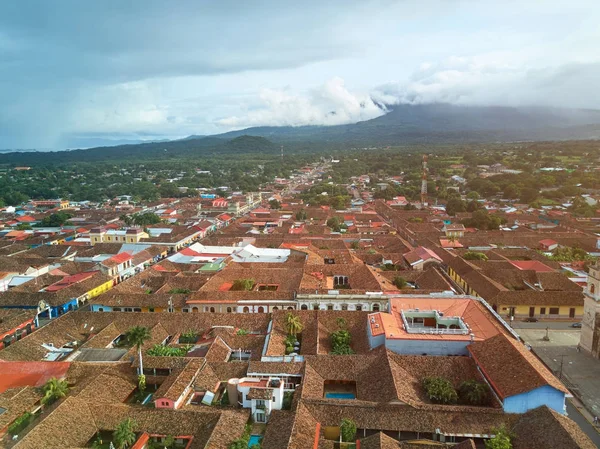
(580,372)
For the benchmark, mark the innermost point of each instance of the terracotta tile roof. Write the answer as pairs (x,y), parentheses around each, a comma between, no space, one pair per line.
(543,428)
(260,393)
(175,385)
(526,372)
(379,441)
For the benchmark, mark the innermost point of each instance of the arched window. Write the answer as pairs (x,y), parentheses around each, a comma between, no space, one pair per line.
(275,308)
(303,307)
(375,307)
(212,310)
(290,308)
(261,309)
(228,309)
(246,310)
(592,289)
(195,309)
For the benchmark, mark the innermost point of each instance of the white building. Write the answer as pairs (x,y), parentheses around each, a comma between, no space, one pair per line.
(259,395)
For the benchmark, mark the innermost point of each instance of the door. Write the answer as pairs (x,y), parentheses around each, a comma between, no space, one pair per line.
(531,312)
(572,312)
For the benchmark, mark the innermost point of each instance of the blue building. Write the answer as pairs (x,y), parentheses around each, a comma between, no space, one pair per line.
(519,380)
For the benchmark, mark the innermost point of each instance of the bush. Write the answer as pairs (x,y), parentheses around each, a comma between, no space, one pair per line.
(184,291)
(167,351)
(20,423)
(348,430)
(473,392)
(188,337)
(440,390)
(243,285)
(501,440)
(473,255)
(399,282)
(340,342)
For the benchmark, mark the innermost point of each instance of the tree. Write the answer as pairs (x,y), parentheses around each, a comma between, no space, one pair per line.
(275,204)
(23,227)
(528,195)
(293,324)
(440,390)
(472,195)
(340,342)
(124,436)
(473,392)
(301,215)
(399,282)
(348,430)
(126,219)
(501,440)
(472,206)
(55,220)
(137,336)
(454,206)
(243,285)
(511,191)
(54,389)
(355,244)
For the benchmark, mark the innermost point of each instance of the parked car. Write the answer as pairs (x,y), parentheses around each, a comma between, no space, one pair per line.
(576,325)
(531,319)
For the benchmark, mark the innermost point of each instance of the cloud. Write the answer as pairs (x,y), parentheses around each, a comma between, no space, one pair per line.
(470,81)
(329,104)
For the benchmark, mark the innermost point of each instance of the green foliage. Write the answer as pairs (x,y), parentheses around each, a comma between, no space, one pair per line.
(474,255)
(301,215)
(348,430)
(455,205)
(55,220)
(243,285)
(473,392)
(241,332)
(293,325)
(20,423)
(399,282)
(137,336)
(288,397)
(481,219)
(145,219)
(142,383)
(54,389)
(502,439)
(355,244)
(189,336)
(159,350)
(415,220)
(569,254)
(440,390)
(241,442)
(335,224)
(23,227)
(183,291)
(340,342)
(581,208)
(124,436)
(275,204)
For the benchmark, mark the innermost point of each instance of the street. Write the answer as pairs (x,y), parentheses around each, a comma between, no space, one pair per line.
(554,325)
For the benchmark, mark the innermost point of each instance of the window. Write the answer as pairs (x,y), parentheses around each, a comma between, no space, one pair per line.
(261,309)
(137,309)
(542,311)
(592,289)
(359,307)
(116,309)
(329,306)
(246,310)
(212,310)
(275,308)
(273,398)
(553,310)
(375,307)
(100,309)
(150,309)
(303,307)
(229,310)
(344,306)
(290,308)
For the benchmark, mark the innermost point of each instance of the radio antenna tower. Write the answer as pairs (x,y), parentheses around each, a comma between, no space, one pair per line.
(424,182)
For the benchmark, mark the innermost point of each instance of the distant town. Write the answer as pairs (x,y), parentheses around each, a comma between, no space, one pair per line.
(375,298)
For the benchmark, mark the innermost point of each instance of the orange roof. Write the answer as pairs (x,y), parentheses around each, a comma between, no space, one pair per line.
(30,374)
(480,323)
(534,265)
(226,286)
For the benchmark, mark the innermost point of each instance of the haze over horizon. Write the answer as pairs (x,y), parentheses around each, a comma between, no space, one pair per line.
(152,70)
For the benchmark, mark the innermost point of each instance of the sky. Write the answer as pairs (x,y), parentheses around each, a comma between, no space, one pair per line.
(72,70)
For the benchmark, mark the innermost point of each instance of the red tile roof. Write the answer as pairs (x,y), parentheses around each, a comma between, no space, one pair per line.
(534,265)
(33,374)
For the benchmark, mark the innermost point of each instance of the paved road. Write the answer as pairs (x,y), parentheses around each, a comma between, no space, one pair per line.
(585,425)
(554,325)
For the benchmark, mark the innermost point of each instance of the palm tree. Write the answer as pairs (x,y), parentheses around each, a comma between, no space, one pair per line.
(137,336)
(124,435)
(54,389)
(293,324)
